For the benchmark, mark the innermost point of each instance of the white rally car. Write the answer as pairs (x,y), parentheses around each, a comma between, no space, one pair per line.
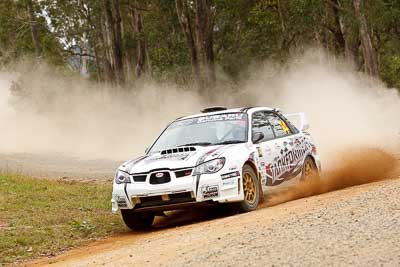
(218,156)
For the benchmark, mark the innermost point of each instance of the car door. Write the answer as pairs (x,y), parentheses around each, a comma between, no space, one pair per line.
(264,147)
(282,165)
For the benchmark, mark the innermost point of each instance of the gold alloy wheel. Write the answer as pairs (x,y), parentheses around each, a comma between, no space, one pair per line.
(308,168)
(249,188)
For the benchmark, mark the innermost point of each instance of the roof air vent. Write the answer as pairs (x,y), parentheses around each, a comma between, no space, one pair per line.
(213,109)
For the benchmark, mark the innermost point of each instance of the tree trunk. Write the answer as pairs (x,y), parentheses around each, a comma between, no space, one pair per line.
(84,59)
(199,38)
(93,37)
(370,61)
(351,50)
(338,29)
(284,40)
(34,29)
(113,30)
(106,58)
(119,67)
(204,17)
(346,35)
(182,10)
(137,26)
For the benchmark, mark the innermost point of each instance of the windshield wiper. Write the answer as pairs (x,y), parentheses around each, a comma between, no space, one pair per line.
(227,142)
(197,144)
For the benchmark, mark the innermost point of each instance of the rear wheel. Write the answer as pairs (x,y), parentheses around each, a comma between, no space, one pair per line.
(310,170)
(137,220)
(251,190)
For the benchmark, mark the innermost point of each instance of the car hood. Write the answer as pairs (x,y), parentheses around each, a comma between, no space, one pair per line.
(172,159)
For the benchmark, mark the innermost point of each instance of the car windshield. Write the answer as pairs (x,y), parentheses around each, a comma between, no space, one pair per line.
(226,128)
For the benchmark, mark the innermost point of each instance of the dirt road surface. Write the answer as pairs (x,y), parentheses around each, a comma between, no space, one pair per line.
(358,225)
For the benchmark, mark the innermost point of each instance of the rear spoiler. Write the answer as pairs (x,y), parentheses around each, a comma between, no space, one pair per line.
(301,118)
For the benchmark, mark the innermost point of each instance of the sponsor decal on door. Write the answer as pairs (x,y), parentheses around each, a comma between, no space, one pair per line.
(288,163)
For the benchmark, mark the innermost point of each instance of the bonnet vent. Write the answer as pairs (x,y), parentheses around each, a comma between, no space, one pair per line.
(178,150)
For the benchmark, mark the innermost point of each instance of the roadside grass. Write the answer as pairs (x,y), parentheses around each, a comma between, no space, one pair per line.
(42,217)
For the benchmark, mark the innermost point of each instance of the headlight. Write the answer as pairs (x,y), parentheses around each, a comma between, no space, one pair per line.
(122,177)
(211,166)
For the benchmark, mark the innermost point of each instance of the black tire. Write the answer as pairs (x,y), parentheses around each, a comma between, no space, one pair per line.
(137,220)
(251,189)
(310,170)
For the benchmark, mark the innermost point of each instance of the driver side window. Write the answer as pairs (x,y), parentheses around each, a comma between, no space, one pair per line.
(261,124)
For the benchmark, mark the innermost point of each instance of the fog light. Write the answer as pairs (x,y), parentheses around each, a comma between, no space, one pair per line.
(165,197)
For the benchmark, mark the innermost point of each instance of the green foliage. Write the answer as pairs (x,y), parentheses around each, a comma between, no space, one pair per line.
(244,32)
(390,65)
(166,43)
(15,34)
(384,17)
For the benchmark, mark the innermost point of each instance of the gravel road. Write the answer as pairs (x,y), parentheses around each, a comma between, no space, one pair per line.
(356,226)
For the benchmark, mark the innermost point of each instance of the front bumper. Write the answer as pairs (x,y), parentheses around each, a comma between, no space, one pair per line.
(178,193)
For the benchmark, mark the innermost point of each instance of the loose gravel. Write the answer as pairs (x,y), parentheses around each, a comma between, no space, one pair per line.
(357,226)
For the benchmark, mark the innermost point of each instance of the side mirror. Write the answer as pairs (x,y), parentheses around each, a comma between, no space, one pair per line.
(257,137)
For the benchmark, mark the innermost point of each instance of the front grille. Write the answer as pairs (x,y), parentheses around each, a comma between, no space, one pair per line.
(161,179)
(183,173)
(139,178)
(173,199)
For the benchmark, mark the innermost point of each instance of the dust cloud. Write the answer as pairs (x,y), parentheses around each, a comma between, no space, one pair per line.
(346,110)
(358,167)
(43,110)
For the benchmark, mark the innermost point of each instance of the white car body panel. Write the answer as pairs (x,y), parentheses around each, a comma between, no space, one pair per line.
(275,161)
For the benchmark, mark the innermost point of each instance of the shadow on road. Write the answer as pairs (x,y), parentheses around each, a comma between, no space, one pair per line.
(189,216)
